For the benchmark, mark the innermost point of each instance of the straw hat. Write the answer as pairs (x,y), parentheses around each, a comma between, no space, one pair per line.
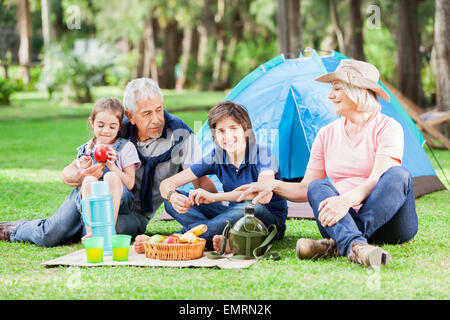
(358,74)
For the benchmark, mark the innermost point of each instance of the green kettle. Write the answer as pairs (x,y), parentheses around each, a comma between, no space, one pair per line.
(249,238)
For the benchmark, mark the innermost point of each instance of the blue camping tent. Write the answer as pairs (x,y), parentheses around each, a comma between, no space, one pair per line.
(287,108)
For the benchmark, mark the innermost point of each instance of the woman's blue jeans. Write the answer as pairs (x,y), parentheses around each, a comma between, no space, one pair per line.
(216,215)
(388,215)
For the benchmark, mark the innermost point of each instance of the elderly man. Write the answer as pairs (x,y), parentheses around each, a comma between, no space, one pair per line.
(164,143)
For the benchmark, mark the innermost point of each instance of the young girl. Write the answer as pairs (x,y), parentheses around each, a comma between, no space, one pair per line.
(236,160)
(123,160)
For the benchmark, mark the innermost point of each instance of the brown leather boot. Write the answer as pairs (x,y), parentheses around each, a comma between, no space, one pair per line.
(6,228)
(367,255)
(316,249)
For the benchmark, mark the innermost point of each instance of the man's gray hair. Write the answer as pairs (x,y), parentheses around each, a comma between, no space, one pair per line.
(139,89)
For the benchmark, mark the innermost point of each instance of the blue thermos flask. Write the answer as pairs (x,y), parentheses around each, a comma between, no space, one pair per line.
(97,213)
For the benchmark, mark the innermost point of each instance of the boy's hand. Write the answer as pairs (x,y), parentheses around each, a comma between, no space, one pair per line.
(180,202)
(200,196)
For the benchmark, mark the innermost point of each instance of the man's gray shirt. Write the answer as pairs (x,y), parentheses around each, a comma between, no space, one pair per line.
(187,153)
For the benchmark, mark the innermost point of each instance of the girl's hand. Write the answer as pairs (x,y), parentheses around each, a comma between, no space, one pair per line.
(180,202)
(200,196)
(112,156)
(332,210)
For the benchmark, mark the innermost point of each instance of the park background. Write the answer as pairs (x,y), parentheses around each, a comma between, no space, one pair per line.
(57,57)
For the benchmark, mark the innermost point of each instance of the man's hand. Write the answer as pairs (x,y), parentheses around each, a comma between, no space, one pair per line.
(180,202)
(332,210)
(139,243)
(85,162)
(88,235)
(200,196)
(95,170)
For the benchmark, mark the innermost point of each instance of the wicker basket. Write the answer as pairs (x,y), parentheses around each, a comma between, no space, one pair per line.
(174,251)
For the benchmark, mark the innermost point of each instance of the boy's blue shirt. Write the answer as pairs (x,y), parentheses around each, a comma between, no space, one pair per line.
(258,158)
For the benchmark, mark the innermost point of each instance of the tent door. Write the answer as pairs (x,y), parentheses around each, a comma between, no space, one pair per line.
(293,148)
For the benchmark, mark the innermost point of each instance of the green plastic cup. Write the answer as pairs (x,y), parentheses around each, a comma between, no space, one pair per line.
(94,249)
(120,247)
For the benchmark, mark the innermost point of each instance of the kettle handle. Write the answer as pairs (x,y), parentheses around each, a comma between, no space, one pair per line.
(85,212)
(270,237)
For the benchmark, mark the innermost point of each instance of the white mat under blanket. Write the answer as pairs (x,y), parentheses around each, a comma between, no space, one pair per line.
(78,259)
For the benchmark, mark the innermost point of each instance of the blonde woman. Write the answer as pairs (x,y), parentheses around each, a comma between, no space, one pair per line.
(369,197)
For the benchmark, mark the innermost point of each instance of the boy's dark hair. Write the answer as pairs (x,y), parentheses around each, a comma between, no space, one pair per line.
(230,109)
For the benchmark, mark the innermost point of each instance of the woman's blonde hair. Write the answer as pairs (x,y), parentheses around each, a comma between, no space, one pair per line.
(365,99)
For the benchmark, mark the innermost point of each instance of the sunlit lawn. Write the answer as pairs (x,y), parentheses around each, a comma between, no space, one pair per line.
(39,138)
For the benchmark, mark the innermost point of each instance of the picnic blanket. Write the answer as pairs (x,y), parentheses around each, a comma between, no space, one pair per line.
(78,259)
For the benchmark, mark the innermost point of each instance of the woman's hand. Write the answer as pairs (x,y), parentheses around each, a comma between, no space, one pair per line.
(180,202)
(200,196)
(256,192)
(332,210)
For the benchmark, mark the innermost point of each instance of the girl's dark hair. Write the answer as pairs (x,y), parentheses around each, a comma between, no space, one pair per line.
(107,103)
(227,109)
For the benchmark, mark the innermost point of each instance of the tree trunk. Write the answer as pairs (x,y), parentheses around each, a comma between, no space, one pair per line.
(295,35)
(171,49)
(441,57)
(283,29)
(408,55)
(185,55)
(289,26)
(220,26)
(204,29)
(24,27)
(236,35)
(150,69)
(337,27)
(46,25)
(140,52)
(355,41)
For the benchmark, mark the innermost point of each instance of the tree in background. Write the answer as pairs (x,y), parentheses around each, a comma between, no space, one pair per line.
(24,28)
(289,26)
(441,57)
(212,44)
(408,54)
(355,39)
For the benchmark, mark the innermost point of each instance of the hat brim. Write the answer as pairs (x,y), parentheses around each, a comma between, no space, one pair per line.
(357,82)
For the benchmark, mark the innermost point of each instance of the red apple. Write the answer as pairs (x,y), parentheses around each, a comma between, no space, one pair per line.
(172,239)
(101,153)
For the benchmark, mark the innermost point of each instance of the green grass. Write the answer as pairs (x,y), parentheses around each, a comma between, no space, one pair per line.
(39,138)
